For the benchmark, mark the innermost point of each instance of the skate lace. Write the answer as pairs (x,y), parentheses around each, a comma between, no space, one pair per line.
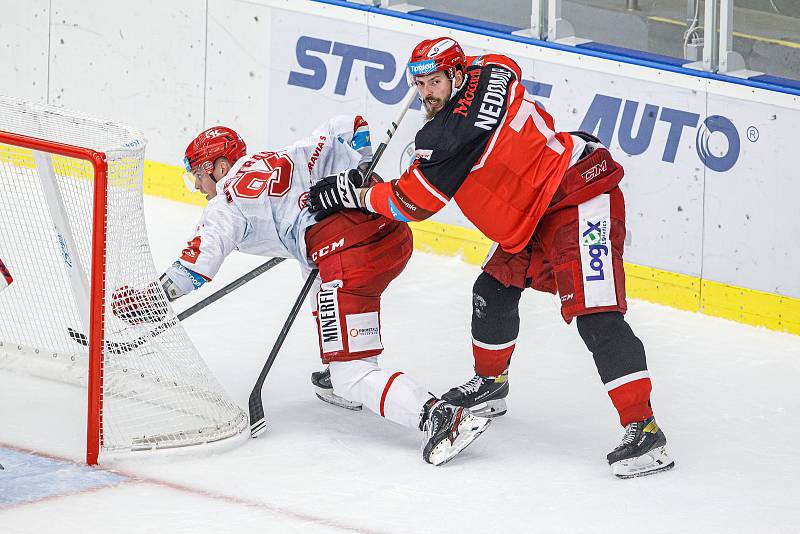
(630,433)
(433,423)
(472,386)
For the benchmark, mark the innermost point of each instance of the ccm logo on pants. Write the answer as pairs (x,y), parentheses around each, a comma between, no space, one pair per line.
(327,249)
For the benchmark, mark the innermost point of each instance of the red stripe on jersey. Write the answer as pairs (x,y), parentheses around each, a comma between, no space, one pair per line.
(429,189)
(411,195)
(386,389)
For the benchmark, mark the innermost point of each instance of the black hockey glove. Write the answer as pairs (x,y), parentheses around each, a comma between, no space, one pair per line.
(335,193)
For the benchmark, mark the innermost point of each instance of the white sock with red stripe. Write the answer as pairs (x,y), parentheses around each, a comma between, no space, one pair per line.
(390,394)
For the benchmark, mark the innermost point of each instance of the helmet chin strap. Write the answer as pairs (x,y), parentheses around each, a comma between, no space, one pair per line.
(453,88)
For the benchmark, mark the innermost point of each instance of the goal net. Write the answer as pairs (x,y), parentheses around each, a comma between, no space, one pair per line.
(72,230)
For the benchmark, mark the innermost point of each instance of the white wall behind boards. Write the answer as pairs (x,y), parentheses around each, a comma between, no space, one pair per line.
(24,37)
(239,69)
(749,229)
(710,183)
(141,63)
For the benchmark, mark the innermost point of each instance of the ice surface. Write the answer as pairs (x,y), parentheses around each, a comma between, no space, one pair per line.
(725,394)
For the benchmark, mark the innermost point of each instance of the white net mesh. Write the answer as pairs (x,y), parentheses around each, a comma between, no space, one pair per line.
(157,391)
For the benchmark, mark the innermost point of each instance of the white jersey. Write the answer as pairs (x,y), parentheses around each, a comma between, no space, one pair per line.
(260,207)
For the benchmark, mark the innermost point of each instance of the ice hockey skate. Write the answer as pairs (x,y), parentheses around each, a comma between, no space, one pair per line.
(642,451)
(324,390)
(483,395)
(448,429)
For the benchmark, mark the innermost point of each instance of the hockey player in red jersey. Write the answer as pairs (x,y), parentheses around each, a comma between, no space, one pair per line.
(551,203)
(257,205)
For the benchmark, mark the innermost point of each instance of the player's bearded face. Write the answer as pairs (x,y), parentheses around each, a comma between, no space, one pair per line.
(434,90)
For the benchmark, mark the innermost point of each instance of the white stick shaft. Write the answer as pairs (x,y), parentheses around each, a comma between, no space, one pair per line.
(63,237)
(406,103)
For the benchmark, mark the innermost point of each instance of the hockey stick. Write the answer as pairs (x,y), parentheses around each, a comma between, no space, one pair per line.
(390,132)
(257,421)
(236,284)
(126,346)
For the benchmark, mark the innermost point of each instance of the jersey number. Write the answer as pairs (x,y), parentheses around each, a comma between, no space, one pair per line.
(276,180)
(527,109)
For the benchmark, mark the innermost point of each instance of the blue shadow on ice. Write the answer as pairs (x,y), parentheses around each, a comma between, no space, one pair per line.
(29,478)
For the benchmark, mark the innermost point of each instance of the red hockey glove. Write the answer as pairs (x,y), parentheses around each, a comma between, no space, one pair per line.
(137,306)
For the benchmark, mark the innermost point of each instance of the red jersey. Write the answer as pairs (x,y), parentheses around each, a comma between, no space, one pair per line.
(492,149)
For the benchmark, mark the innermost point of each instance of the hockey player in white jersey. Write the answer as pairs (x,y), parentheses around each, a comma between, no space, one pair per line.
(257,205)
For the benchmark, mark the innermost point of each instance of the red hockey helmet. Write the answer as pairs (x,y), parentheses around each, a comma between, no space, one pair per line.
(212,144)
(433,55)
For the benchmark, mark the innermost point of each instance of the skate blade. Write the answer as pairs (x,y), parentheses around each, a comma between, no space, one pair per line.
(490,409)
(327,395)
(469,428)
(650,463)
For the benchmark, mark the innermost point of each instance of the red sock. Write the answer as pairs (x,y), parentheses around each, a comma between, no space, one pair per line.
(632,400)
(491,360)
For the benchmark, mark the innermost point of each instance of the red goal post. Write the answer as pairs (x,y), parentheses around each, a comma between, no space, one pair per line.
(72,230)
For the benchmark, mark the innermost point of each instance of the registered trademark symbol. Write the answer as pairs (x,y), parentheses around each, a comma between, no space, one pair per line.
(752,134)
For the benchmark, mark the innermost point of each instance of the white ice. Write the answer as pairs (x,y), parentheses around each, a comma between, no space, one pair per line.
(725,394)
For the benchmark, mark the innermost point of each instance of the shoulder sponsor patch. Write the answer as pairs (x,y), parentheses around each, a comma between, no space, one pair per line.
(463,103)
(315,155)
(423,154)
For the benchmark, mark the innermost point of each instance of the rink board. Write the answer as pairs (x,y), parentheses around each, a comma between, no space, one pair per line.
(710,184)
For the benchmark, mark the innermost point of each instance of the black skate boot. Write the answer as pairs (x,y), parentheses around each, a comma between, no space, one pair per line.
(324,390)
(448,429)
(483,395)
(642,451)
